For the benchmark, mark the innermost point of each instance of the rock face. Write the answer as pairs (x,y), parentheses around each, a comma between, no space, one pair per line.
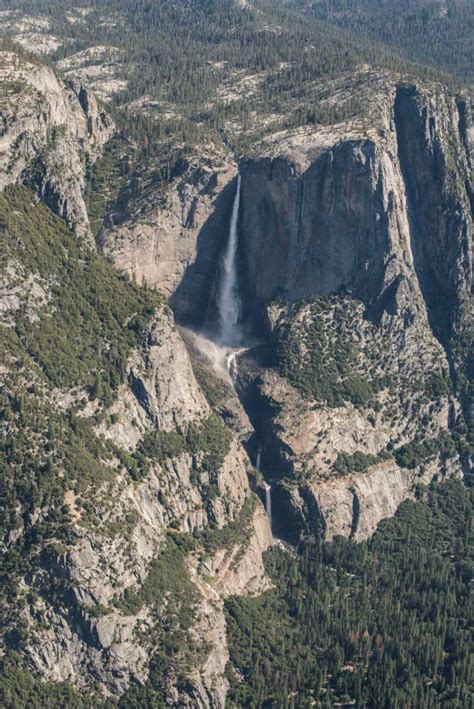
(382,210)
(113,556)
(381,213)
(385,218)
(172,239)
(367,211)
(353,507)
(338,468)
(353,252)
(51,131)
(436,166)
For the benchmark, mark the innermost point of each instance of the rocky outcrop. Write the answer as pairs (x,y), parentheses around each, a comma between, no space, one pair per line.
(98,68)
(51,131)
(154,395)
(354,505)
(335,469)
(171,239)
(228,572)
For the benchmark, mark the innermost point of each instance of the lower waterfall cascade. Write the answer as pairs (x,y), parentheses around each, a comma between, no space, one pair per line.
(268,502)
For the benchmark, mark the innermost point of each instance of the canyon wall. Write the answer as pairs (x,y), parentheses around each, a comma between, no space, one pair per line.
(368,210)
(379,212)
(51,131)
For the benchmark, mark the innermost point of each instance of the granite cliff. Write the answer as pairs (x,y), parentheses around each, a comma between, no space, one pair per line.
(236,316)
(131,509)
(52,132)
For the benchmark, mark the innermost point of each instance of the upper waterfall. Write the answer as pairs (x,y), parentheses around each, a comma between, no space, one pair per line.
(228,300)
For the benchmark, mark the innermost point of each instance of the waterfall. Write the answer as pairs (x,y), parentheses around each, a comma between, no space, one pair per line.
(228,301)
(266,486)
(268,502)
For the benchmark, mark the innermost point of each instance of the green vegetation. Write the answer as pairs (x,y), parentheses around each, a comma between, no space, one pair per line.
(104,180)
(385,623)
(175,52)
(357,462)
(320,354)
(127,169)
(19,689)
(167,578)
(237,532)
(331,353)
(433,33)
(437,385)
(95,316)
(170,594)
(420,451)
(46,452)
(211,439)
(76,337)
(215,390)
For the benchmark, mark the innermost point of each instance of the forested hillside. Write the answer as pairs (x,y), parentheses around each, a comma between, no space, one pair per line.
(206,69)
(432,32)
(385,623)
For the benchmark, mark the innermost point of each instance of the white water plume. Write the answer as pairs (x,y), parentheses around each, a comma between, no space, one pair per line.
(228,301)
(266,486)
(210,353)
(222,360)
(268,502)
(232,365)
